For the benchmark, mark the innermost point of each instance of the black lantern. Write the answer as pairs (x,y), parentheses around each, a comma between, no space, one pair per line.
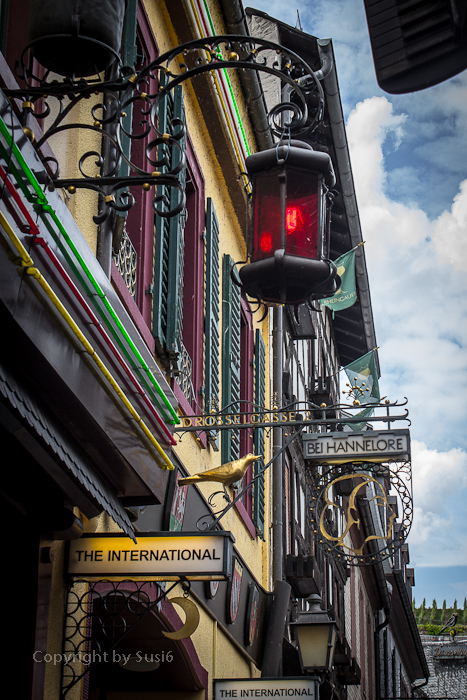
(316,636)
(76,37)
(289,243)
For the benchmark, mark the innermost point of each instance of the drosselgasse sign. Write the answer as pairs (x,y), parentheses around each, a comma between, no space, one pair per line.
(350,446)
(163,556)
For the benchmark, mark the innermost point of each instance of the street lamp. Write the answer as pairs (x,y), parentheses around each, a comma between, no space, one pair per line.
(289,242)
(316,635)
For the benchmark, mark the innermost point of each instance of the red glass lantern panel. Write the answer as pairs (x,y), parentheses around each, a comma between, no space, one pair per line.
(266,215)
(302,214)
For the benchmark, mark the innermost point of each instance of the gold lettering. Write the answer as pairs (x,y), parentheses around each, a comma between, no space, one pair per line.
(187,422)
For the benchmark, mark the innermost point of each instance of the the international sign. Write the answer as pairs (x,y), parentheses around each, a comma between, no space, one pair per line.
(290,687)
(159,556)
(365,446)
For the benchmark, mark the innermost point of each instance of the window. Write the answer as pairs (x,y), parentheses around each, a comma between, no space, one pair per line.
(133,234)
(179,269)
(243,367)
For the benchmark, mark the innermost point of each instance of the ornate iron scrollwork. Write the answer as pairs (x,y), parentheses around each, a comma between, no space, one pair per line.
(111,101)
(98,615)
(348,483)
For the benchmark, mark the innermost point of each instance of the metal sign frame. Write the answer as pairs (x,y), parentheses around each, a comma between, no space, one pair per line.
(298,414)
(157,556)
(252,687)
(362,446)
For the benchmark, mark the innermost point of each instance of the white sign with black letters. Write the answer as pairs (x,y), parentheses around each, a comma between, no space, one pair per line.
(161,556)
(289,687)
(350,446)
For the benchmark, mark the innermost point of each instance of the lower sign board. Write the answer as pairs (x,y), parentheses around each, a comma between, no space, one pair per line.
(368,445)
(158,556)
(290,687)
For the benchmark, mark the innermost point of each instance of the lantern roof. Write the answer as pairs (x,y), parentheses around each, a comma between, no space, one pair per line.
(297,154)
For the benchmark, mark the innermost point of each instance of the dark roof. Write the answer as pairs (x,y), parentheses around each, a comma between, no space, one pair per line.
(353,327)
(404,625)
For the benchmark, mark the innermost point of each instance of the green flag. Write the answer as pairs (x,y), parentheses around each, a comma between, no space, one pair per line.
(363,374)
(347,294)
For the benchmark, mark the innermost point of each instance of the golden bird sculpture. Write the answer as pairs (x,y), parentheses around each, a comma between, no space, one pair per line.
(227,474)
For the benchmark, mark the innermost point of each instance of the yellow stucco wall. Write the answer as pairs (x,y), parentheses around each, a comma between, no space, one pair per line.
(217,652)
(232,241)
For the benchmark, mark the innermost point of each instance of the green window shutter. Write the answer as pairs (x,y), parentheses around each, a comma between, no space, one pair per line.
(211,323)
(169,248)
(258,439)
(128,51)
(230,358)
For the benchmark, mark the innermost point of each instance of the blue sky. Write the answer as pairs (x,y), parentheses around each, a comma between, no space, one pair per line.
(409,161)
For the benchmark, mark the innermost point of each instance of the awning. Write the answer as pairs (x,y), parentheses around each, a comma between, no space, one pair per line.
(49,435)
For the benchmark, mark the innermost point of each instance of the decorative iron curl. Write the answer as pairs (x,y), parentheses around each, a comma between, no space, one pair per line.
(98,615)
(142,94)
(218,53)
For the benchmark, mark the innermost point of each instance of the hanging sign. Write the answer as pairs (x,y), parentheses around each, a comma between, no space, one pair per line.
(233,596)
(159,556)
(349,446)
(289,687)
(453,652)
(350,490)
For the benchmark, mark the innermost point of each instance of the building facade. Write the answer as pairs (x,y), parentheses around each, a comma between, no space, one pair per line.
(125,330)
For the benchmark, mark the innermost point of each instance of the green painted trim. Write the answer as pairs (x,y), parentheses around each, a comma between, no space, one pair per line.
(226,75)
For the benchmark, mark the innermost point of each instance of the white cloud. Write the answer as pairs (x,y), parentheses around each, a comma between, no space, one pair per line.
(450,232)
(417,288)
(408,157)
(437,476)
(439,532)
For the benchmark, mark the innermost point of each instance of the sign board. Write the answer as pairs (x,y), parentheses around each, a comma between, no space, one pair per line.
(451,652)
(290,687)
(158,556)
(364,446)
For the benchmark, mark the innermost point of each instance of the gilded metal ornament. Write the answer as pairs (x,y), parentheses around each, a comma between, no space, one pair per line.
(337,493)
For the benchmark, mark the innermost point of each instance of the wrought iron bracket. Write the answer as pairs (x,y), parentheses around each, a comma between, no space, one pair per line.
(203,522)
(126,109)
(297,414)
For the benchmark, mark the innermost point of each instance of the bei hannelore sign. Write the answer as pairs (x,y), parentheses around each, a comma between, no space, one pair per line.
(290,687)
(367,445)
(157,556)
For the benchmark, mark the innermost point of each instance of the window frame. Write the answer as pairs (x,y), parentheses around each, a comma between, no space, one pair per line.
(141,216)
(193,327)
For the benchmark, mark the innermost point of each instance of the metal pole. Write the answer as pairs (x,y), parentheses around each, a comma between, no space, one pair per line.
(277,473)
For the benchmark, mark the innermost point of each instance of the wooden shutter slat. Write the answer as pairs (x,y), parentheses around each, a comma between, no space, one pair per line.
(230,357)
(211,329)
(258,439)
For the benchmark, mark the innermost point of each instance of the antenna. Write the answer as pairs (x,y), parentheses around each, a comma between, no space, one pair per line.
(298,24)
